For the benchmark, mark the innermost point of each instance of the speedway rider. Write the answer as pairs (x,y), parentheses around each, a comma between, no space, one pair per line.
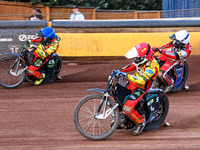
(179,48)
(147,69)
(49,43)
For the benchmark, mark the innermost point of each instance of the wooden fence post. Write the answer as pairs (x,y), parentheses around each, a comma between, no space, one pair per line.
(158,14)
(94,14)
(135,14)
(47,9)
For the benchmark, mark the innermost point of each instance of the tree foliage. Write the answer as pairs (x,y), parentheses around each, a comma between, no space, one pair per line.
(104,4)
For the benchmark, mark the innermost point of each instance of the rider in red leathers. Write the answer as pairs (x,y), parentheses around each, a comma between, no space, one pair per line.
(179,48)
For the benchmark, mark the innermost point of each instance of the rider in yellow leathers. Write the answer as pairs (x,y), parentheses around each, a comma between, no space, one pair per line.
(146,70)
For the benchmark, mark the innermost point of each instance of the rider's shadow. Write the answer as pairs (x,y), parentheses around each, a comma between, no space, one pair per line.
(89,75)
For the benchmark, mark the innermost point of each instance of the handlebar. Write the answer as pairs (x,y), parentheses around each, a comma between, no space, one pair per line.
(114,74)
(112,78)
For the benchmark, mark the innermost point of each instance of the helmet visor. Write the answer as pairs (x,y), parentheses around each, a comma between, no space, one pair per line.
(39,34)
(172,37)
(41,37)
(132,53)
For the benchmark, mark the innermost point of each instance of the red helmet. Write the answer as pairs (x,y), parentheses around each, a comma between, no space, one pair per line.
(141,53)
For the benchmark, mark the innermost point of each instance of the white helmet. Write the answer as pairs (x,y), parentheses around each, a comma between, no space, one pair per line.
(182,36)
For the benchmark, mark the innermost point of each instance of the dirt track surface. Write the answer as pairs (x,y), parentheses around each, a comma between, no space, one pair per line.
(42,117)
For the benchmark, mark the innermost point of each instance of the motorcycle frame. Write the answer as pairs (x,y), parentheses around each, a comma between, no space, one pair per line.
(177,62)
(106,94)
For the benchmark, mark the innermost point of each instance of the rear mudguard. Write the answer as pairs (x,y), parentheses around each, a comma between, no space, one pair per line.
(151,94)
(154,91)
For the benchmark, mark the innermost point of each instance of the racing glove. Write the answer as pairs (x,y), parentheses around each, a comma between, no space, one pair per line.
(119,73)
(27,43)
(156,49)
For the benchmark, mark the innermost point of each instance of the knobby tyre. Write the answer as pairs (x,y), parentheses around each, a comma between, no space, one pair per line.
(7,80)
(87,125)
(161,114)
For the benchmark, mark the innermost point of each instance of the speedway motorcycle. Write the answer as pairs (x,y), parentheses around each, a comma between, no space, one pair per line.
(178,72)
(13,68)
(97,116)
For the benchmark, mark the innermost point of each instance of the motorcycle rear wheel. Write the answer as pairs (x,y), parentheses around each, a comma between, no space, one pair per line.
(58,68)
(161,114)
(8,80)
(185,76)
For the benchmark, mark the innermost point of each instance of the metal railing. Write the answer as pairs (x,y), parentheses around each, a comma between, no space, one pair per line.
(181,13)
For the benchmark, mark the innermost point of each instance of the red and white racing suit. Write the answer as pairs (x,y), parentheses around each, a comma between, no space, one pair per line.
(170,55)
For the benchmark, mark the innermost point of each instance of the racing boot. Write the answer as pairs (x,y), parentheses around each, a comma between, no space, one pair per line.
(38,82)
(139,127)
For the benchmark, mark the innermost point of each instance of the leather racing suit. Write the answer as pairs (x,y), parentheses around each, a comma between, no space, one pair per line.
(42,55)
(140,83)
(169,57)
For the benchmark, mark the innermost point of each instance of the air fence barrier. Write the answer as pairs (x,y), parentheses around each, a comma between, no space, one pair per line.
(98,38)
(13,34)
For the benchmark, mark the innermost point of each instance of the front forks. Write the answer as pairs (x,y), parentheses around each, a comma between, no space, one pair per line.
(103,104)
(15,68)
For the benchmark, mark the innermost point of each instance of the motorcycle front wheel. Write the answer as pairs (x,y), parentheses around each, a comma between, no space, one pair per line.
(11,72)
(86,122)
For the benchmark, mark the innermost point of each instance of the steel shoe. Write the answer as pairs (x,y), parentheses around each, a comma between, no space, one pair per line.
(186,87)
(139,127)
